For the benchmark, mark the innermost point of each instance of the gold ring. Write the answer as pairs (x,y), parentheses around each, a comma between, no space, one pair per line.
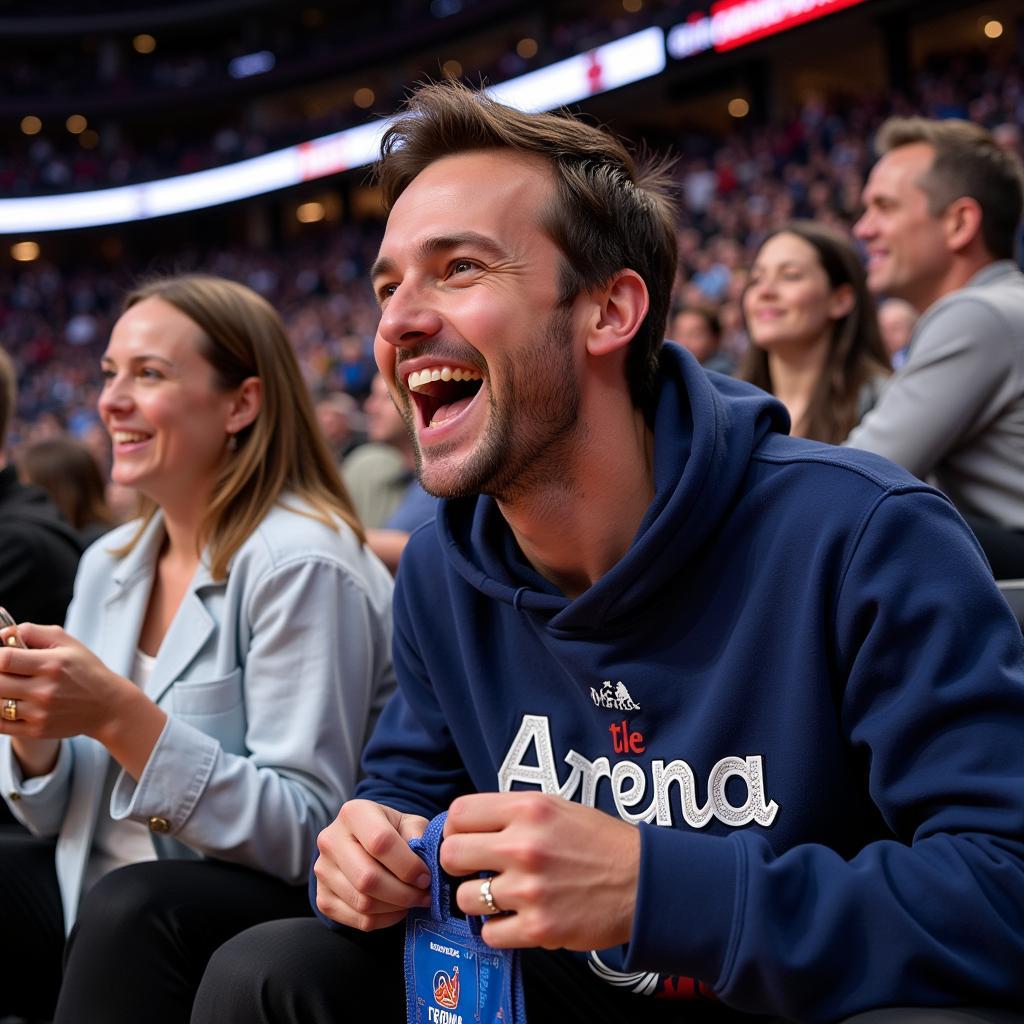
(487,899)
(10,710)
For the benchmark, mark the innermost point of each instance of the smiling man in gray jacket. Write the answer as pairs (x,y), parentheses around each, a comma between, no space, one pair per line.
(942,207)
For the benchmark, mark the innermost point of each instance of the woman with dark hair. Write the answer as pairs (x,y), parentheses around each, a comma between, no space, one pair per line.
(176,750)
(66,470)
(814,335)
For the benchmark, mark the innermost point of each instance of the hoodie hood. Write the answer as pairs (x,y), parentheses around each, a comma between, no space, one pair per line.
(706,426)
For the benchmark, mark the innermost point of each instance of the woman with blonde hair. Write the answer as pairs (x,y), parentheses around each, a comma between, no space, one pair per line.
(815,342)
(177,748)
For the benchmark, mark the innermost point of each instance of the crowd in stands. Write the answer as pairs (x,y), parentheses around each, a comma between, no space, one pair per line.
(734,193)
(56,324)
(126,151)
(57,162)
(182,55)
(256,377)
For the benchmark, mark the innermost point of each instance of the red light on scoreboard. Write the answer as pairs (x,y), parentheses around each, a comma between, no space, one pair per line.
(734,23)
(744,21)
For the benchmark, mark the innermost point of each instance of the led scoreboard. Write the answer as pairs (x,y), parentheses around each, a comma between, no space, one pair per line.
(733,23)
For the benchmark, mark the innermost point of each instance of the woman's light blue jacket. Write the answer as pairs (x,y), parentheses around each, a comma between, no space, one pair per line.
(271,679)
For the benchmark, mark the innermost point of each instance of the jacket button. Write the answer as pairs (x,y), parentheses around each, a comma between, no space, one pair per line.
(15,797)
(159,824)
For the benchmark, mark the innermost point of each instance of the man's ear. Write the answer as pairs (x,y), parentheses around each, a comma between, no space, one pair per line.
(622,306)
(245,406)
(962,223)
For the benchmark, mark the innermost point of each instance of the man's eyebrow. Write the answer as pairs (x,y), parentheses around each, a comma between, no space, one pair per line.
(385,266)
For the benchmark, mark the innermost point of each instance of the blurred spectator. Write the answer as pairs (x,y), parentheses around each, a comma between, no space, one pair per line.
(735,340)
(814,332)
(1008,136)
(66,470)
(377,473)
(712,277)
(943,205)
(896,319)
(812,161)
(341,423)
(95,438)
(382,481)
(356,367)
(38,551)
(697,329)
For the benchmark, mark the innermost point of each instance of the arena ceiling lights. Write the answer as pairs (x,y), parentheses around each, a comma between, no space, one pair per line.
(626,60)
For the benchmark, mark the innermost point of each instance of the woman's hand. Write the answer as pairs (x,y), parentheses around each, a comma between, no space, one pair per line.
(62,690)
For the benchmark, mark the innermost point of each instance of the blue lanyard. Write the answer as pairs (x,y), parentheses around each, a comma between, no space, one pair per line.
(451,975)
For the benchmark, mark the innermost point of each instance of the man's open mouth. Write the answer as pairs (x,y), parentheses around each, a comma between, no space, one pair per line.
(440,393)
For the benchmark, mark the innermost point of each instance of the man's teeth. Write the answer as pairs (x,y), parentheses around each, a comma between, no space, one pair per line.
(127,437)
(420,377)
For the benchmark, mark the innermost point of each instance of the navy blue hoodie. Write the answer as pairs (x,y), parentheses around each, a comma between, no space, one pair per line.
(800,682)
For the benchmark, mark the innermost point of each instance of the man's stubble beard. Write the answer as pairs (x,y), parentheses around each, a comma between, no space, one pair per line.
(530,437)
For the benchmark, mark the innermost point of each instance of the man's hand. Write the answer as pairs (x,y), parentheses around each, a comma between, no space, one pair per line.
(567,873)
(366,875)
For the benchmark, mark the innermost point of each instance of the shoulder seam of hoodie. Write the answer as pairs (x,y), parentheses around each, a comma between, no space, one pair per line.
(890,486)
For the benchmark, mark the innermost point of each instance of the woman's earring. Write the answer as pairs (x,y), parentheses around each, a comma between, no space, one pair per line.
(232,442)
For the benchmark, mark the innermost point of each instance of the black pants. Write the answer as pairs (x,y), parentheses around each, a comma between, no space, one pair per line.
(299,972)
(31,926)
(303,973)
(140,943)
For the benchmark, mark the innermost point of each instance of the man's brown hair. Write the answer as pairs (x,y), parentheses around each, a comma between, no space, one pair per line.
(968,162)
(610,212)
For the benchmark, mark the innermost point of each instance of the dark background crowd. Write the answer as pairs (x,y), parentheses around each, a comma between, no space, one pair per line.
(849,195)
(739,179)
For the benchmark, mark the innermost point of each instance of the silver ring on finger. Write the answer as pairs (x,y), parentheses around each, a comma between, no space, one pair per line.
(487,898)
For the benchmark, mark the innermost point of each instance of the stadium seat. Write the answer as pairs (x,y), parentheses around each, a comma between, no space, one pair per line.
(1013,591)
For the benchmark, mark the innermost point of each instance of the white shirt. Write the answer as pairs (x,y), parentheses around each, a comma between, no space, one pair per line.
(117,844)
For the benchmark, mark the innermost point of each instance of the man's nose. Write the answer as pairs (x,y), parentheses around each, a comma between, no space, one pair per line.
(864,226)
(408,317)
